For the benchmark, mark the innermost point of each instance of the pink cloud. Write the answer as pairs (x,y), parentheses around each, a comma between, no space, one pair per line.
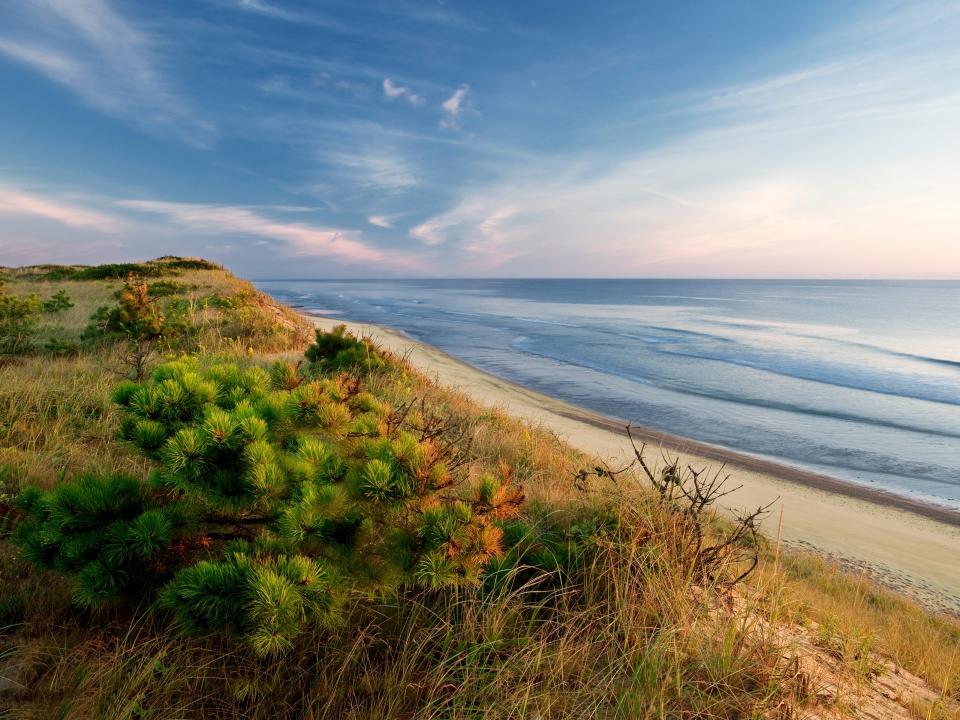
(301,239)
(15,202)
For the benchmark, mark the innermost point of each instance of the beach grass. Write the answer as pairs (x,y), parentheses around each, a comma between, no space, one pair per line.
(628,632)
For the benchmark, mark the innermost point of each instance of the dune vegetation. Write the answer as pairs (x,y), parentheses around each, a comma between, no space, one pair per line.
(208,510)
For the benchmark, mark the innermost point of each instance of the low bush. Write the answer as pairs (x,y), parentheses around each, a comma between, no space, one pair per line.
(58,302)
(58,347)
(268,505)
(338,349)
(19,321)
(164,288)
(137,320)
(118,271)
(179,263)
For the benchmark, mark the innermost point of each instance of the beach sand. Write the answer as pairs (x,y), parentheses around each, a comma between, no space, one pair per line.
(906,545)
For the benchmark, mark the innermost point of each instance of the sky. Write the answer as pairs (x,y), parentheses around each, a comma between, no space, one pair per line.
(623,138)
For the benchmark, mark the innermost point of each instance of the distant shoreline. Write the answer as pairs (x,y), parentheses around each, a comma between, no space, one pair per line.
(908,544)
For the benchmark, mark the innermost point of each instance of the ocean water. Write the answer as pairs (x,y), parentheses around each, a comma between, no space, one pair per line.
(856,380)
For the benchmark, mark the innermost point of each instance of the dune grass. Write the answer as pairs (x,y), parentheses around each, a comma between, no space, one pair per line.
(626,631)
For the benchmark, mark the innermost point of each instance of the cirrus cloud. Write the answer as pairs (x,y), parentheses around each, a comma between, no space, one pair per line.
(93,52)
(300,239)
(18,202)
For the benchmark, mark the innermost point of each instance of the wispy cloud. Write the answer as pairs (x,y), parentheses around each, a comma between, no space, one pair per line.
(358,90)
(844,165)
(299,239)
(261,7)
(393,91)
(454,107)
(433,231)
(20,203)
(92,51)
(376,169)
(380,221)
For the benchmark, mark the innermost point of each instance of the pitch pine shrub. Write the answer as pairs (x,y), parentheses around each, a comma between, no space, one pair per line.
(138,320)
(19,320)
(340,350)
(274,494)
(58,302)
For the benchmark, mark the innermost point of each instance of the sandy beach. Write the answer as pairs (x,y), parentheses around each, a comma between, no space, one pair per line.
(907,545)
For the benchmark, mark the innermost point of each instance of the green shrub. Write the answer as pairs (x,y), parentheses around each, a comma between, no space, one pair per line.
(104,529)
(58,347)
(53,272)
(119,271)
(269,502)
(339,349)
(58,303)
(163,288)
(168,265)
(138,320)
(179,263)
(19,320)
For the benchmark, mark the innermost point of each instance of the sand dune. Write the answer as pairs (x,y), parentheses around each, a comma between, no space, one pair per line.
(907,545)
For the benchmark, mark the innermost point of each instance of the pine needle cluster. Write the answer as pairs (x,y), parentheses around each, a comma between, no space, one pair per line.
(338,349)
(276,493)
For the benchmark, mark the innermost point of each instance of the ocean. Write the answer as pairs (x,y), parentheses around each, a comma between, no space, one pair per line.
(858,380)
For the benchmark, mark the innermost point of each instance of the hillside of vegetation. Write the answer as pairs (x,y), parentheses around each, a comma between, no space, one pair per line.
(208,511)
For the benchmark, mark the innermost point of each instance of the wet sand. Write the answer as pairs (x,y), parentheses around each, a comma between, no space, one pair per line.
(908,545)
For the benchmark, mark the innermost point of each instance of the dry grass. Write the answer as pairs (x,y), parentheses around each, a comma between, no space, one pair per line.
(57,419)
(852,612)
(227,313)
(624,637)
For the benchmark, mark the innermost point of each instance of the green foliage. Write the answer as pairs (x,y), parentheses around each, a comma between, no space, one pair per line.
(58,347)
(119,271)
(285,375)
(139,321)
(61,348)
(178,263)
(164,288)
(341,350)
(137,315)
(19,321)
(104,529)
(167,265)
(269,599)
(53,272)
(272,498)
(58,302)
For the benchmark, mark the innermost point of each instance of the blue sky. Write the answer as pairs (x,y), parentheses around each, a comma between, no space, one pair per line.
(399,138)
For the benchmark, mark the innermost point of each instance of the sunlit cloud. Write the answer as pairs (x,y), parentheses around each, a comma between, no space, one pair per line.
(19,203)
(832,153)
(846,167)
(454,107)
(392,91)
(299,239)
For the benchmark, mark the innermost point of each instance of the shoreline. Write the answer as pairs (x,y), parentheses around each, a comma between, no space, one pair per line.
(906,544)
(808,478)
